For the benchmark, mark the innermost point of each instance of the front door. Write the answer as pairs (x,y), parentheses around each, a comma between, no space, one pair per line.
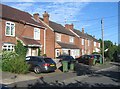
(34,52)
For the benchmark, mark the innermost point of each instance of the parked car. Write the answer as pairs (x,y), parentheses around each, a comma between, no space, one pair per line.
(97,56)
(66,58)
(84,59)
(41,64)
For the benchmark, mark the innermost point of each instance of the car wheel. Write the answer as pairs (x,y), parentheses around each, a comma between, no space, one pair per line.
(37,70)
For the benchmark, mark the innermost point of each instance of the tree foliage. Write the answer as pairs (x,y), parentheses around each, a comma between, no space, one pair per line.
(111,49)
(20,49)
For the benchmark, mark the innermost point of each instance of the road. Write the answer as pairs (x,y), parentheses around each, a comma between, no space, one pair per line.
(109,77)
(83,77)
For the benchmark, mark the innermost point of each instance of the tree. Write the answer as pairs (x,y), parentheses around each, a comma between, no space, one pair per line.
(20,49)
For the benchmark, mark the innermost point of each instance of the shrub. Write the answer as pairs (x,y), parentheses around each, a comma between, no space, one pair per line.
(12,62)
(44,55)
(20,49)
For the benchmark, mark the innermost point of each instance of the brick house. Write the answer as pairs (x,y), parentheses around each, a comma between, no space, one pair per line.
(59,39)
(87,43)
(34,32)
(19,25)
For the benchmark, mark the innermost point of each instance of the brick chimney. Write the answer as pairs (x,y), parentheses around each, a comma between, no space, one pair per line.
(46,18)
(66,26)
(82,30)
(36,16)
(69,26)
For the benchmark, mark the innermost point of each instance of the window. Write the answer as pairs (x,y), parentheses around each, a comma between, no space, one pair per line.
(82,41)
(10,29)
(8,47)
(71,39)
(94,43)
(57,52)
(58,37)
(99,45)
(36,33)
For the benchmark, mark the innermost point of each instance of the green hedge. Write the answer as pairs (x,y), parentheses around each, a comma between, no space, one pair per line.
(12,62)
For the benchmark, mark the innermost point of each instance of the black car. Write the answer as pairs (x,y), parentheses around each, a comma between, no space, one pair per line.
(97,56)
(41,64)
(84,59)
(66,58)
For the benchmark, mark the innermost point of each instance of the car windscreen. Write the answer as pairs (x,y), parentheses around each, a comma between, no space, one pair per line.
(48,60)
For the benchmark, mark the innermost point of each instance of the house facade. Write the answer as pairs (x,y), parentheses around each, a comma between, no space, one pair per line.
(63,40)
(36,33)
(86,43)
(19,25)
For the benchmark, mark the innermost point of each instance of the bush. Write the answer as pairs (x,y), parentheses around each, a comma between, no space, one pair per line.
(12,62)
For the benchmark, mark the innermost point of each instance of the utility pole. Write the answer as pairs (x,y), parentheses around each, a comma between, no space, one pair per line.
(102,29)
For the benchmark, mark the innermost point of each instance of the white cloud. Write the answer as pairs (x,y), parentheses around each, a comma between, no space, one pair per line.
(60,1)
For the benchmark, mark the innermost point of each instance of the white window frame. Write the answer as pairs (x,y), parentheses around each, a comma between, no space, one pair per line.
(10,31)
(57,52)
(83,41)
(99,45)
(36,34)
(58,37)
(8,47)
(71,39)
(94,43)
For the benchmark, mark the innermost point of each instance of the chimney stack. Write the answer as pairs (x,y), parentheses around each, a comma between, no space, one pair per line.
(46,18)
(82,30)
(69,27)
(36,16)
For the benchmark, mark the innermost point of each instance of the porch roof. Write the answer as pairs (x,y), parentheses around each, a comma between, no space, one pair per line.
(68,46)
(30,42)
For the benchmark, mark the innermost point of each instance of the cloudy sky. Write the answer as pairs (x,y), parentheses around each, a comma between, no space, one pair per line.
(82,13)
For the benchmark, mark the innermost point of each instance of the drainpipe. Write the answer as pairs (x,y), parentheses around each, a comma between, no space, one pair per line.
(45,40)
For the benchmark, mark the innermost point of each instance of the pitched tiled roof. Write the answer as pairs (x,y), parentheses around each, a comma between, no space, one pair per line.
(85,35)
(60,29)
(10,13)
(28,41)
(79,33)
(66,45)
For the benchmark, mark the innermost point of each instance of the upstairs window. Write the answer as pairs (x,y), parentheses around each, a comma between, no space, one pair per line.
(10,29)
(71,39)
(8,47)
(58,37)
(36,33)
(94,43)
(82,41)
(99,45)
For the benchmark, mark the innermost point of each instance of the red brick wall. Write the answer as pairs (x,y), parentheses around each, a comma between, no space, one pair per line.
(50,43)
(7,38)
(21,30)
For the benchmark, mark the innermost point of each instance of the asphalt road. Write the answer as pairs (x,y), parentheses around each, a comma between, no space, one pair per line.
(83,77)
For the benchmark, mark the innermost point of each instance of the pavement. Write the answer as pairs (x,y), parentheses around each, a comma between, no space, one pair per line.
(82,72)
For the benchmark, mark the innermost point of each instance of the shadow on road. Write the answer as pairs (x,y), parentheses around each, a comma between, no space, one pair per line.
(82,69)
(41,83)
(114,75)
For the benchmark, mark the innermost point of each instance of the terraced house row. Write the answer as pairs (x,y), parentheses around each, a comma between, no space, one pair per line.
(35,32)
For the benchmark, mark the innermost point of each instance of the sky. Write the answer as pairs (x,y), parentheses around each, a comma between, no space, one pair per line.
(85,14)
